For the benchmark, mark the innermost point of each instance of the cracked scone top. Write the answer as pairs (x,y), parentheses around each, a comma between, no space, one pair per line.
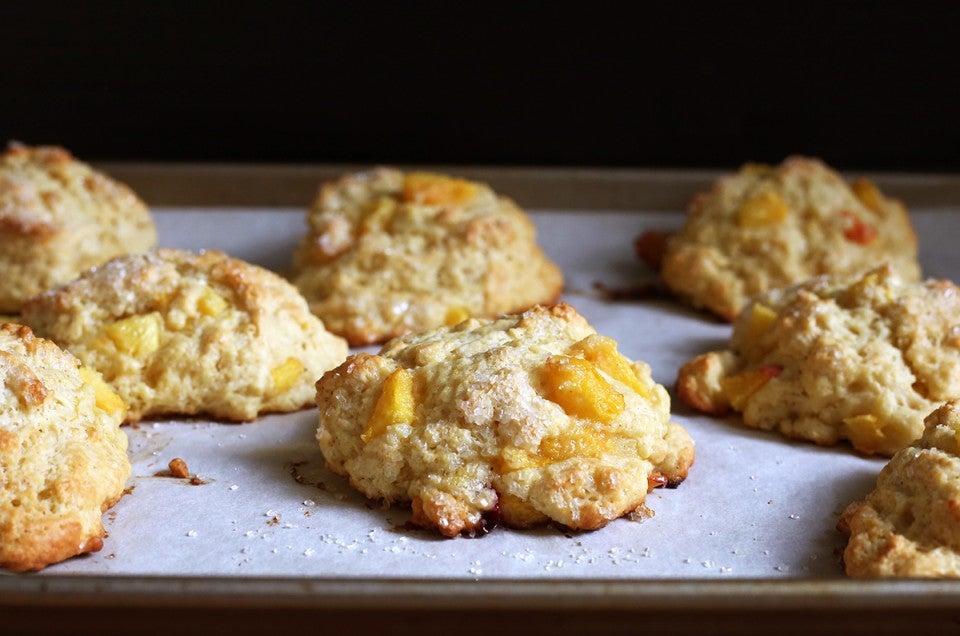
(59,217)
(862,359)
(528,419)
(181,333)
(767,227)
(63,457)
(389,253)
(909,525)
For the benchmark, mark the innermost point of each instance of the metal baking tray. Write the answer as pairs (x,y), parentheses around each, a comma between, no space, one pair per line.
(265,533)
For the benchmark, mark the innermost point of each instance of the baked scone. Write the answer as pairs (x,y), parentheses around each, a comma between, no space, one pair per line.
(862,359)
(524,420)
(388,253)
(63,457)
(767,227)
(909,525)
(59,217)
(178,333)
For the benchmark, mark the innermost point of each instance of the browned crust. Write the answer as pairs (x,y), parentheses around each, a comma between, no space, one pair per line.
(46,543)
(692,387)
(676,470)
(651,246)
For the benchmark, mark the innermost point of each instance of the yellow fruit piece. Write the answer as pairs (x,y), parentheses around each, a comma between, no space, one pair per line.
(511,459)
(869,195)
(765,209)
(863,432)
(456,315)
(394,406)
(437,189)
(579,389)
(867,433)
(286,375)
(377,214)
(761,319)
(211,303)
(560,447)
(105,397)
(602,352)
(554,448)
(868,286)
(137,335)
(740,387)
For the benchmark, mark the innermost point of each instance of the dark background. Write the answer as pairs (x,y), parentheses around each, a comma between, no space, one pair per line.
(863,85)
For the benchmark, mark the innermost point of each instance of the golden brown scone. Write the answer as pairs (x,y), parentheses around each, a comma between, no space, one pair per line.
(181,333)
(388,253)
(59,217)
(909,525)
(862,359)
(63,457)
(528,419)
(767,227)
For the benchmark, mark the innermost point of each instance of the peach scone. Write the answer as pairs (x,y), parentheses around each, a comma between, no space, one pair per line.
(63,457)
(774,226)
(909,525)
(59,217)
(528,419)
(388,253)
(178,333)
(862,359)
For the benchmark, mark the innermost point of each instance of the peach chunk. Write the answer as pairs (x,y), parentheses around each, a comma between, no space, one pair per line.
(137,335)
(560,447)
(105,398)
(286,375)
(436,189)
(868,434)
(579,389)
(868,194)
(394,406)
(762,210)
(740,387)
(761,319)
(602,351)
(211,303)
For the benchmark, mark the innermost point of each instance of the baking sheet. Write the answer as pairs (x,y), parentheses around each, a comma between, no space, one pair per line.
(755,506)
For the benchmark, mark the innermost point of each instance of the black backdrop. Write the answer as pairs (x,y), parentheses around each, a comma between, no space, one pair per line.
(863,85)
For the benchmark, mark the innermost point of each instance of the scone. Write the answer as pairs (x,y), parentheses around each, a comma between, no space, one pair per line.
(177,333)
(767,227)
(909,525)
(59,217)
(524,420)
(63,458)
(862,359)
(389,253)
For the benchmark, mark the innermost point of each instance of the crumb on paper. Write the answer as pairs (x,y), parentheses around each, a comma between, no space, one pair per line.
(233,487)
(191,533)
